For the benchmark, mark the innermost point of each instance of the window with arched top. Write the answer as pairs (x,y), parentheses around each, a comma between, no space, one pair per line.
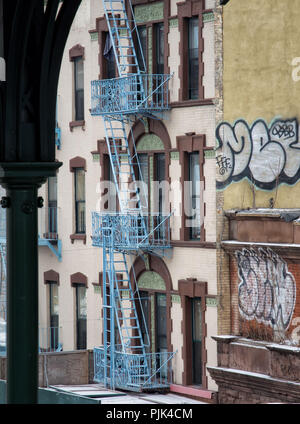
(154,307)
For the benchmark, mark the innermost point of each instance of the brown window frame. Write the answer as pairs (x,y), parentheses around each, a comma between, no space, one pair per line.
(76,52)
(77,163)
(188,289)
(186,10)
(190,143)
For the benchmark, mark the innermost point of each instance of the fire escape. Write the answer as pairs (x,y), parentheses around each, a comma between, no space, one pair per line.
(125,361)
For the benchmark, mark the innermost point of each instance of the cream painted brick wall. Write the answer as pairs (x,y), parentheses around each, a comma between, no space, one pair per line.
(200,120)
(210,4)
(193,263)
(211,318)
(177,341)
(174,7)
(174,84)
(209,60)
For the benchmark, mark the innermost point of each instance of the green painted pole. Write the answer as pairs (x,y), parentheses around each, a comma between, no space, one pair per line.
(22,181)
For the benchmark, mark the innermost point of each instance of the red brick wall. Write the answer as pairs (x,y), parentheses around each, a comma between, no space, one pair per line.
(252,328)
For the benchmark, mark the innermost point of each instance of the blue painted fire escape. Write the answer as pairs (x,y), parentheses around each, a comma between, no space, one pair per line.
(124,360)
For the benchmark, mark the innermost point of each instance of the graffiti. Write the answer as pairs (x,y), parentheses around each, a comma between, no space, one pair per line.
(267,290)
(224,164)
(267,156)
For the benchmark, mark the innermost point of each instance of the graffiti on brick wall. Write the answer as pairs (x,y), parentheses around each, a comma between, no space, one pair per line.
(267,156)
(267,290)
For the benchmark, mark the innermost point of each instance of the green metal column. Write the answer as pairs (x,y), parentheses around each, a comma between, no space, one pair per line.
(22,182)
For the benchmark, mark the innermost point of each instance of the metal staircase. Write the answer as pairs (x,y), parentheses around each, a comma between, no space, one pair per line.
(124,361)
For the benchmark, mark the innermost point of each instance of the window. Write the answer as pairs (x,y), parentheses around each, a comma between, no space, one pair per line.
(144,318)
(52,204)
(142,31)
(191,69)
(153,316)
(161,322)
(78,88)
(193,58)
(81,315)
(54,319)
(152,167)
(109,64)
(193,294)
(196,311)
(159,48)
(110,192)
(194,196)
(191,149)
(79,175)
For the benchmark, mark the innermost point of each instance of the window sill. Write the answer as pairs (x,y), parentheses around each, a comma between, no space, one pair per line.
(190,103)
(191,243)
(78,237)
(74,124)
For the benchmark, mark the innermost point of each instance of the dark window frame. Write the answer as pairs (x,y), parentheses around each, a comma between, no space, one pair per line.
(190,289)
(54,334)
(81,344)
(78,92)
(74,163)
(78,226)
(186,144)
(75,53)
(186,10)
(52,207)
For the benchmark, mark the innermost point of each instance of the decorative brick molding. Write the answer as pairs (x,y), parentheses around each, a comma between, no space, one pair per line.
(188,289)
(76,51)
(74,124)
(51,276)
(77,162)
(74,237)
(79,278)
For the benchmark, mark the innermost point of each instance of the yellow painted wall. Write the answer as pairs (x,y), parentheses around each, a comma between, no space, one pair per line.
(261,38)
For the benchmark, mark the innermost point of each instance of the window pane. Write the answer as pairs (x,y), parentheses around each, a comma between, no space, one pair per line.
(79,89)
(142,31)
(108,53)
(79,82)
(80,217)
(143,160)
(197,340)
(81,302)
(80,200)
(52,189)
(53,299)
(194,178)
(54,325)
(159,37)
(193,58)
(81,314)
(80,184)
(159,177)
(144,320)
(161,322)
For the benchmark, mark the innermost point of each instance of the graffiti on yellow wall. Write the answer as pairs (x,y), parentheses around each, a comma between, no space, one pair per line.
(267,156)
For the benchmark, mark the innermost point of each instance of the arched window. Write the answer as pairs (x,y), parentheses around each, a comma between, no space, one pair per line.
(153,148)
(154,310)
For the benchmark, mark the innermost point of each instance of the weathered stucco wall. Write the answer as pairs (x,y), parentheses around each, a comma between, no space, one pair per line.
(261,41)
